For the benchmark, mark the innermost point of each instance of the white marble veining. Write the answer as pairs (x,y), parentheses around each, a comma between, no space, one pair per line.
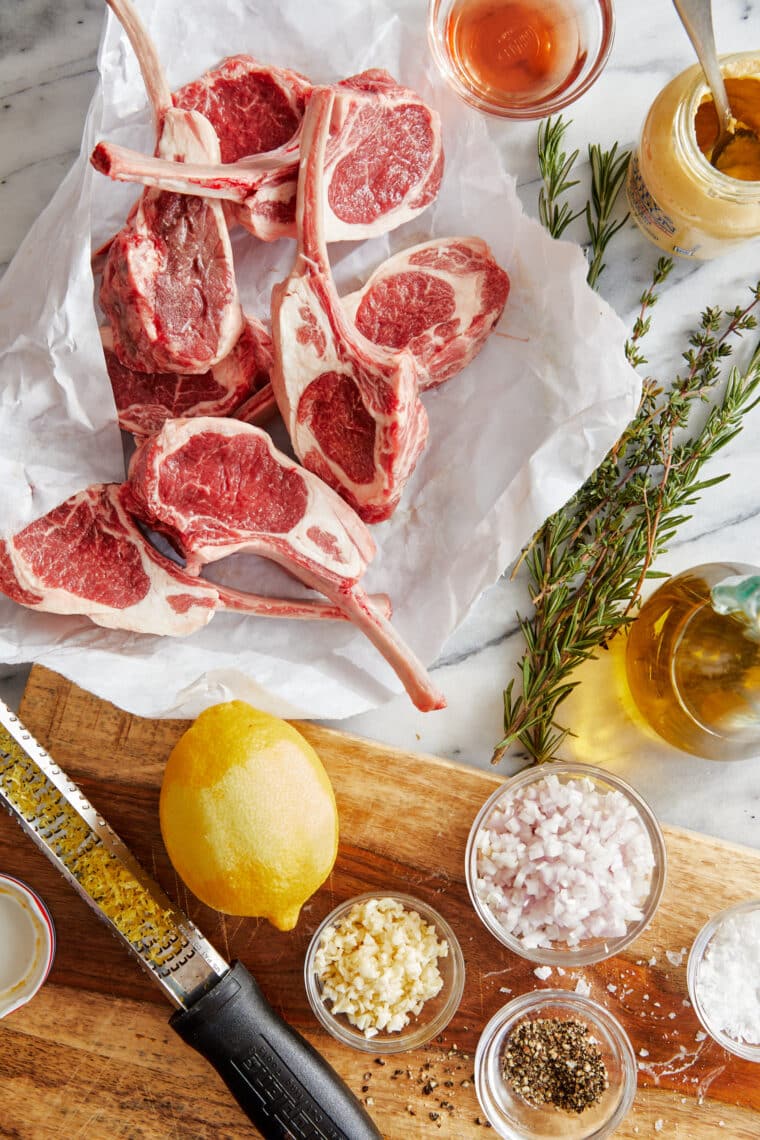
(47,75)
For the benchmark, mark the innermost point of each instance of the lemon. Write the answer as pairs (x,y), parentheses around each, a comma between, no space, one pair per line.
(248,814)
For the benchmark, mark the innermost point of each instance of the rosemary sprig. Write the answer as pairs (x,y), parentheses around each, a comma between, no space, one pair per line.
(608,171)
(588,562)
(555,167)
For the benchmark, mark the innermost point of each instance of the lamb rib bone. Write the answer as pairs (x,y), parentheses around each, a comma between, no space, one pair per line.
(351,407)
(383,166)
(88,556)
(181,482)
(168,287)
(252,106)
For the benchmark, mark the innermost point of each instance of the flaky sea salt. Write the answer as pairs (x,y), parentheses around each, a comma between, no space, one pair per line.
(728,979)
(561,861)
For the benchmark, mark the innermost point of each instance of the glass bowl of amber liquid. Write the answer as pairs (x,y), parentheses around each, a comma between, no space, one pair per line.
(517,1116)
(520,59)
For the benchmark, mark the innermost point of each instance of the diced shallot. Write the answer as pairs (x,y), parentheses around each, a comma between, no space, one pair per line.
(561,862)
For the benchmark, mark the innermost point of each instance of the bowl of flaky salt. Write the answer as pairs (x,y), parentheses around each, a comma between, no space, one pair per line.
(723,976)
(566,867)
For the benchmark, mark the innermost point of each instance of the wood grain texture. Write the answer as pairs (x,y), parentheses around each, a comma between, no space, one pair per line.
(92,1055)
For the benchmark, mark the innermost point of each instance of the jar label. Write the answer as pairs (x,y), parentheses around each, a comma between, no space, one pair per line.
(649,215)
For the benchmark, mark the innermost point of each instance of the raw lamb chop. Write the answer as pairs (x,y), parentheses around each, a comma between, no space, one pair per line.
(351,408)
(145,400)
(216,487)
(440,300)
(383,166)
(87,556)
(168,286)
(253,107)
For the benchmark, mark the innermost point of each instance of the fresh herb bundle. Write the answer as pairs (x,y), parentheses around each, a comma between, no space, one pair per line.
(588,562)
(608,171)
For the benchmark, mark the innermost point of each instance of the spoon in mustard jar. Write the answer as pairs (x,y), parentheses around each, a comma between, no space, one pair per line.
(696,17)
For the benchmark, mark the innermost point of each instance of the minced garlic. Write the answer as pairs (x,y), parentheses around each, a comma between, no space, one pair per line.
(378,965)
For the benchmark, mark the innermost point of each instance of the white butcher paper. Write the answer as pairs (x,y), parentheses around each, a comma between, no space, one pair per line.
(511,438)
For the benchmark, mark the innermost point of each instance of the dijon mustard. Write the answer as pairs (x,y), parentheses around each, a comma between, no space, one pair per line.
(680,201)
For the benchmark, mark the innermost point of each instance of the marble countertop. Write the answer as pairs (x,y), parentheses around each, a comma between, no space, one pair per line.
(47,77)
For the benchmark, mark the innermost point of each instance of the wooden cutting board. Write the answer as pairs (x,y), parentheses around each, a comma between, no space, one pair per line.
(92,1054)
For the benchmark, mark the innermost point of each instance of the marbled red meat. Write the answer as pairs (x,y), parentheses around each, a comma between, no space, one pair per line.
(216,487)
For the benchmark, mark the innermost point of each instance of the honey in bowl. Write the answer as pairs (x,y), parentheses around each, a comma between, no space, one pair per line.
(515,51)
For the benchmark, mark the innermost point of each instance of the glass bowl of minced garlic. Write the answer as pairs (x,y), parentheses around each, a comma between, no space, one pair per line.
(384,973)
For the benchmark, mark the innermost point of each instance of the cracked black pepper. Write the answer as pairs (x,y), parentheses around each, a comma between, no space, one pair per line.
(555,1061)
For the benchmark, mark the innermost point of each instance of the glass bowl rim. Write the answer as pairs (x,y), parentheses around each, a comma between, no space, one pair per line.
(586,1008)
(418,1032)
(746,1050)
(606,949)
(606,12)
(27,987)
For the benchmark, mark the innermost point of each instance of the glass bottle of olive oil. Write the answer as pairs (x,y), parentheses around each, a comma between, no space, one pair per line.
(693,661)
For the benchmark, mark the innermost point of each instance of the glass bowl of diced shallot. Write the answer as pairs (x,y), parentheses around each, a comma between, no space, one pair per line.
(384,972)
(565,864)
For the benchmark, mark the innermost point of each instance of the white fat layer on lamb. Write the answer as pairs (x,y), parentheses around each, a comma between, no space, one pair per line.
(564,862)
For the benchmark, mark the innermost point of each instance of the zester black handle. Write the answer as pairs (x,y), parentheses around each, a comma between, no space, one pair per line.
(283,1084)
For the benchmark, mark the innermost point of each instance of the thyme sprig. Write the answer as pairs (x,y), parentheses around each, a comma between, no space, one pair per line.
(608,172)
(588,562)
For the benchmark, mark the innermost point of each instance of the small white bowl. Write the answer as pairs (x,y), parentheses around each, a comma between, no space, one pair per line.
(27,943)
(697,953)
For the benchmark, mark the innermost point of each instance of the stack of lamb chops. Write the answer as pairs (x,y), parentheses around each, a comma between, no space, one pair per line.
(236,146)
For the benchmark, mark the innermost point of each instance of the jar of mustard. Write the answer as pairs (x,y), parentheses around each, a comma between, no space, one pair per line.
(683,203)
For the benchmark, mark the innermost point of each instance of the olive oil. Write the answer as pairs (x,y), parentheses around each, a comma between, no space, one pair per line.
(511,51)
(694,673)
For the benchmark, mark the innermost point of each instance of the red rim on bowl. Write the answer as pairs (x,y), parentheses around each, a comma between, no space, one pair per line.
(20,988)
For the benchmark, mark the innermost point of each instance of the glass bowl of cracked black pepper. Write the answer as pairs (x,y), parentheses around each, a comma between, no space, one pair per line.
(554,1063)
